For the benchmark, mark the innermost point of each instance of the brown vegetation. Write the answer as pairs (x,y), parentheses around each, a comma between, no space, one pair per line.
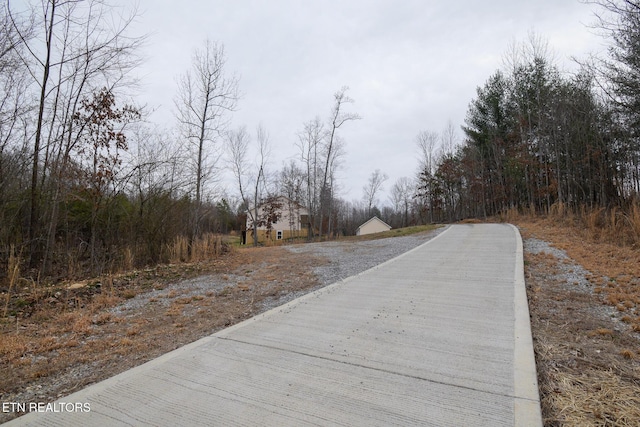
(586,336)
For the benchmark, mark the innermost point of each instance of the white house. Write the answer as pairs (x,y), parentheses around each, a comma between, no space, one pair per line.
(374,225)
(292,221)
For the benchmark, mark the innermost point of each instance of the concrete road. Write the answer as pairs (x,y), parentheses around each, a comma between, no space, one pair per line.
(438,336)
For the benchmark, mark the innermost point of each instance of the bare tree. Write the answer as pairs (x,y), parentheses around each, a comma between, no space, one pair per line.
(14,100)
(519,55)
(14,103)
(619,78)
(429,154)
(332,152)
(402,194)
(427,143)
(15,108)
(291,185)
(49,16)
(310,145)
(155,164)
(251,177)
(373,188)
(205,94)
(448,139)
(237,142)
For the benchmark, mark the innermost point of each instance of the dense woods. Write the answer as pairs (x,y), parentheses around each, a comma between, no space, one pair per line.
(540,140)
(533,139)
(89,186)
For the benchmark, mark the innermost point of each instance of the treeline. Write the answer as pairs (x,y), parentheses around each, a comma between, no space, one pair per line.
(89,186)
(537,138)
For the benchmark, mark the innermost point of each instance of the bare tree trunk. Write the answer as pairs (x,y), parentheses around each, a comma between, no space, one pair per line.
(34,209)
(338,118)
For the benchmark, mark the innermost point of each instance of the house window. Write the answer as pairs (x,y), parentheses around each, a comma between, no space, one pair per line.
(279,235)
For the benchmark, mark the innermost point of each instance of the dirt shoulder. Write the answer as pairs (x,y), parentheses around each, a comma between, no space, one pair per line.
(581,297)
(584,301)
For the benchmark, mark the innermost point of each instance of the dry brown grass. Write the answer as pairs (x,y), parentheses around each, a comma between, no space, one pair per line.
(585,399)
(205,247)
(13,274)
(605,242)
(179,250)
(620,227)
(587,358)
(128,259)
(628,354)
(13,346)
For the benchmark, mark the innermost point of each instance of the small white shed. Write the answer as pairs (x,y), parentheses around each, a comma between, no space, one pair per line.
(374,225)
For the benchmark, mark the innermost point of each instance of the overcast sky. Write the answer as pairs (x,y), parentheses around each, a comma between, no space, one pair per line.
(411,65)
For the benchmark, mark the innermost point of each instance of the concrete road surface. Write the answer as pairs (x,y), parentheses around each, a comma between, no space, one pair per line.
(438,336)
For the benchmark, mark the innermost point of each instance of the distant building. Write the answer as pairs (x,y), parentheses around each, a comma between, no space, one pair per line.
(374,225)
(292,221)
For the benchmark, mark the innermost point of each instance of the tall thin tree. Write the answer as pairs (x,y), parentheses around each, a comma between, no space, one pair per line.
(333,149)
(205,95)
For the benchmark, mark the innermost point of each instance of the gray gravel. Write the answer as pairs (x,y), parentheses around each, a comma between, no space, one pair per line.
(345,259)
(184,288)
(571,274)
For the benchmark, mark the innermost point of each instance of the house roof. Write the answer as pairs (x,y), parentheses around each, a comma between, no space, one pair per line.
(375,218)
